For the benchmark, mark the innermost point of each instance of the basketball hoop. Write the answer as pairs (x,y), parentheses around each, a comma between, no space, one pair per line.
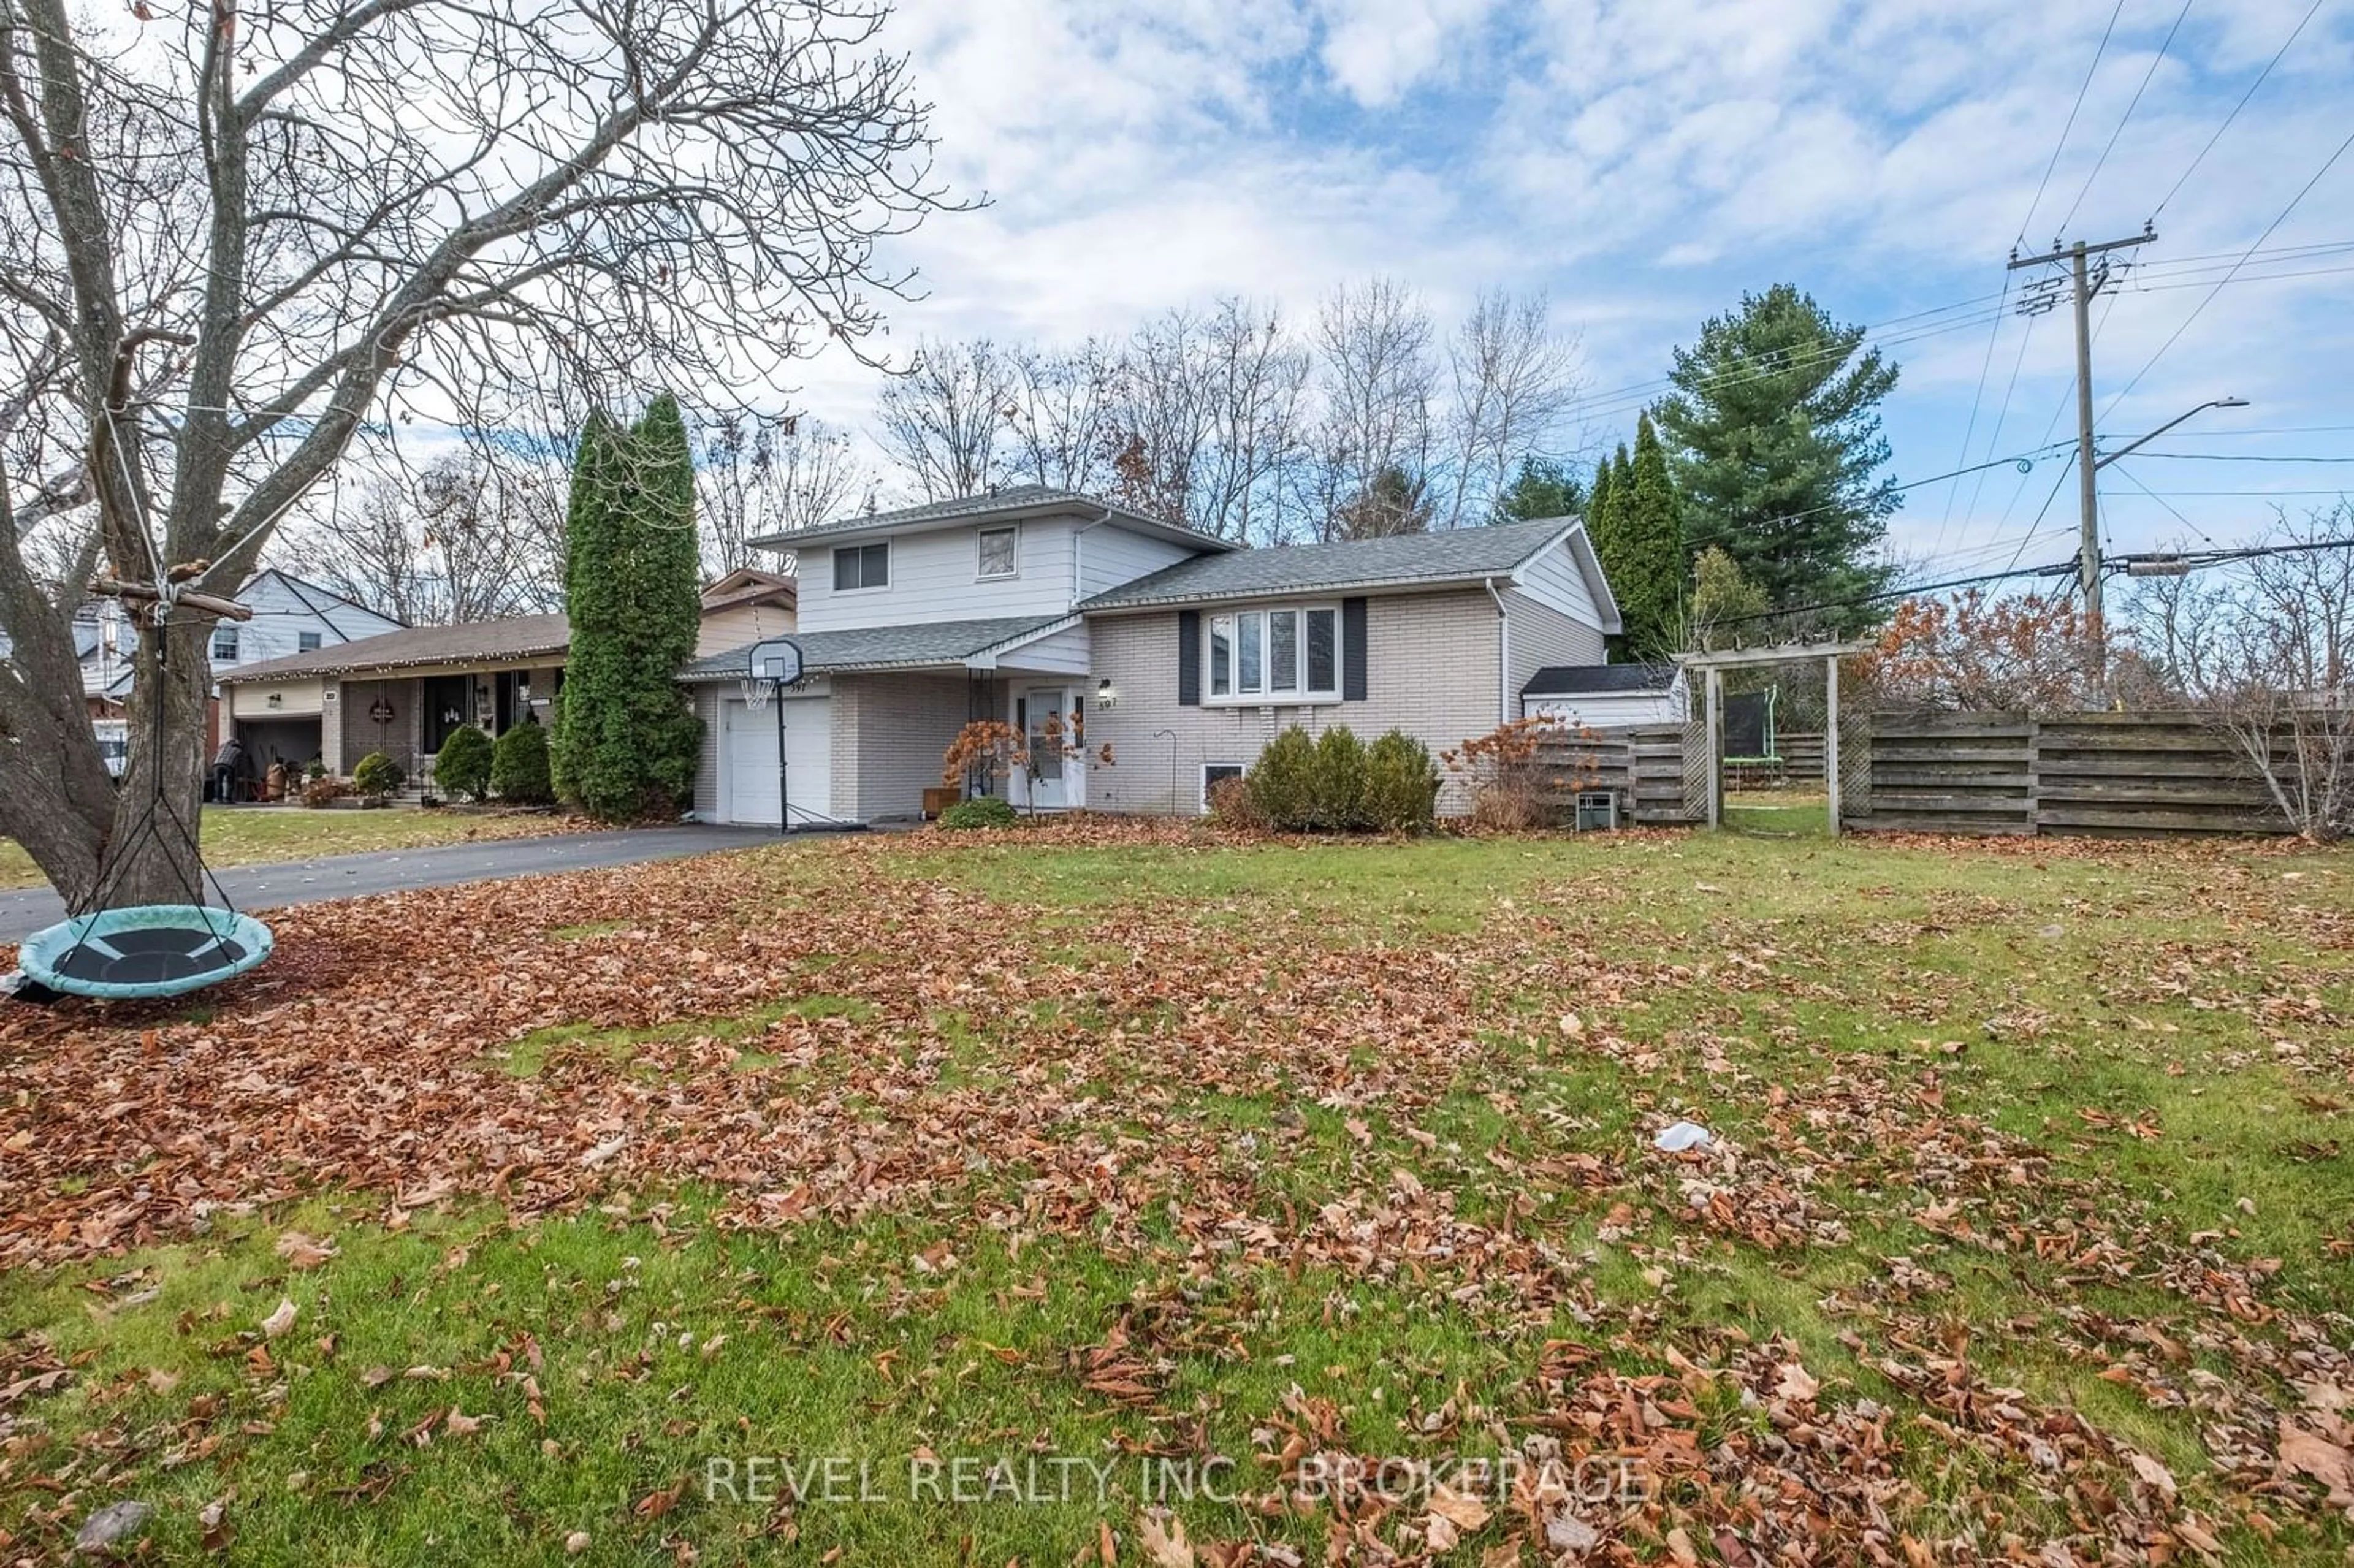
(771,664)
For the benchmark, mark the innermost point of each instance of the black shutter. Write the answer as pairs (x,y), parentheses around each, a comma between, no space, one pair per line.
(1189,658)
(1352,650)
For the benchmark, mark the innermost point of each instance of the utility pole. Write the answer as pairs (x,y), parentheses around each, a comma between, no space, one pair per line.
(2087,279)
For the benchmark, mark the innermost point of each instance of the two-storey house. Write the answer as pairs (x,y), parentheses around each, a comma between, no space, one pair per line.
(1184,654)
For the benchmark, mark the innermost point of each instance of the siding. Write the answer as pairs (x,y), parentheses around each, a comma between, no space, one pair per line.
(890,731)
(1554,578)
(1430,671)
(1110,556)
(934,578)
(740,626)
(706,762)
(1542,635)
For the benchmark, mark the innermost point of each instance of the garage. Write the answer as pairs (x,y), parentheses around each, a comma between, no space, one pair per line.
(747,750)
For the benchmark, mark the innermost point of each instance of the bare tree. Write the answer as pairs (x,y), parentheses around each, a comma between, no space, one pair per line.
(1513,383)
(1209,411)
(2263,646)
(461,540)
(1060,418)
(945,419)
(1376,379)
(763,474)
(259,227)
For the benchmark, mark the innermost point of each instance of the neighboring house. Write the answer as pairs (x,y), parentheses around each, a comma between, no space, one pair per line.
(1607,697)
(401,694)
(1183,653)
(745,606)
(291,617)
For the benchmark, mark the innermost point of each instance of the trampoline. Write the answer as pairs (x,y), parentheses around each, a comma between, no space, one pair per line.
(144,950)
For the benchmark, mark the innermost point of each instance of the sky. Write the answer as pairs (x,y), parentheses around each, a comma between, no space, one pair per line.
(1643,163)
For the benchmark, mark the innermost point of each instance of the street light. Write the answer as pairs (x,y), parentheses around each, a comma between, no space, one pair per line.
(2089,558)
(2099,464)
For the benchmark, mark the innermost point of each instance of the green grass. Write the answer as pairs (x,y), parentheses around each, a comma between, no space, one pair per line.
(248,835)
(2019,1108)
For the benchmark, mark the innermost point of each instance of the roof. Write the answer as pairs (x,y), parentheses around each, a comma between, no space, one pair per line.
(884,646)
(1014,501)
(474,643)
(311,593)
(1599,680)
(749,585)
(1401,560)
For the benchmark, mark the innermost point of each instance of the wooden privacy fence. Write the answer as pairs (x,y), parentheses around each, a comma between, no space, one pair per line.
(2102,773)
(1643,767)
(1801,762)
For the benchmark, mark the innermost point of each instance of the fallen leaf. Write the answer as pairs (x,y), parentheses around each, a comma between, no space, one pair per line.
(1164,1547)
(280,1322)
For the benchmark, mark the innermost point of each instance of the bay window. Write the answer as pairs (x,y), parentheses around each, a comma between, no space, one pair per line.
(1290,653)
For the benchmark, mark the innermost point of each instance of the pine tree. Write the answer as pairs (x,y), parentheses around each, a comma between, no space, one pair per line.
(626,738)
(1649,574)
(1601,512)
(1541,488)
(1777,450)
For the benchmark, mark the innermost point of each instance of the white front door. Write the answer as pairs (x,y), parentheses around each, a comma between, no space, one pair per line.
(749,753)
(1053,725)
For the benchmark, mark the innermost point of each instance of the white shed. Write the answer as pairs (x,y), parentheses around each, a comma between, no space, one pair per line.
(1607,696)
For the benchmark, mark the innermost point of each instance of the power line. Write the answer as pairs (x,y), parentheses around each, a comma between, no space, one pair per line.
(2028,458)
(2218,136)
(2102,161)
(2328,163)
(2050,569)
(2162,501)
(2237,457)
(2061,145)
(1970,427)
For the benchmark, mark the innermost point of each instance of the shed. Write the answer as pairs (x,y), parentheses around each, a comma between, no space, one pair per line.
(1607,696)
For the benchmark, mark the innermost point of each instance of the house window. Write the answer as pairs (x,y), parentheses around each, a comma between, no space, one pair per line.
(862,567)
(306,642)
(224,644)
(1289,654)
(997,552)
(1213,771)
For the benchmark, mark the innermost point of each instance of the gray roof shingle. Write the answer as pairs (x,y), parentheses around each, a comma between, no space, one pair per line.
(881,647)
(518,637)
(1017,499)
(1593,680)
(1457,554)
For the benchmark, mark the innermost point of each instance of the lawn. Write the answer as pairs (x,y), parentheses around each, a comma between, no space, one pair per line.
(1124,1195)
(247,835)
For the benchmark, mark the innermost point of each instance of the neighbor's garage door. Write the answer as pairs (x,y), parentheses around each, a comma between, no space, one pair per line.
(750,742)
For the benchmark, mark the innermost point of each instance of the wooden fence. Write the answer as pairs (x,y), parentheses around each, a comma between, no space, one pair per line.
(1644,768)
(2100,773)
(1801,765)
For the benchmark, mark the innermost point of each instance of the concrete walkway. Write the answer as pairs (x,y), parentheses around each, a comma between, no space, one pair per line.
(287,881)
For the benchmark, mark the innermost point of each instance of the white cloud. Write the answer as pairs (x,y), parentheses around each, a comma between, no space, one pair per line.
(1645,161)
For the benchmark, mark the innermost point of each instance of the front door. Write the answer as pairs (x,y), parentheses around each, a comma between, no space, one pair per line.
(1050,721)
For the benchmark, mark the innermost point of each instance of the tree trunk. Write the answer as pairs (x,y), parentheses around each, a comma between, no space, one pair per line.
(151,856)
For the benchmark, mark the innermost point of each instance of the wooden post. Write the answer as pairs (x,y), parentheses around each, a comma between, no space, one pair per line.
(1830,738)
(1715,748)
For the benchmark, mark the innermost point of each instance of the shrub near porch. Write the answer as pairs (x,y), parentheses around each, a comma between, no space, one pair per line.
(2027,1238)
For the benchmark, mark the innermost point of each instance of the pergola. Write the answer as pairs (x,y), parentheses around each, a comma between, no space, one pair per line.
(1712,666)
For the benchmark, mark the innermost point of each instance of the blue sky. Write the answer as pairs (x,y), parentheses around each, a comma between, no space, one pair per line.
(1644,163)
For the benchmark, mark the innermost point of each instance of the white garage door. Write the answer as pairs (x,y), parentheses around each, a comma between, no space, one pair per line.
(748,744)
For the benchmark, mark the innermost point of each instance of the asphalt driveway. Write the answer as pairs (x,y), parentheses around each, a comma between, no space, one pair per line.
(287,881)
